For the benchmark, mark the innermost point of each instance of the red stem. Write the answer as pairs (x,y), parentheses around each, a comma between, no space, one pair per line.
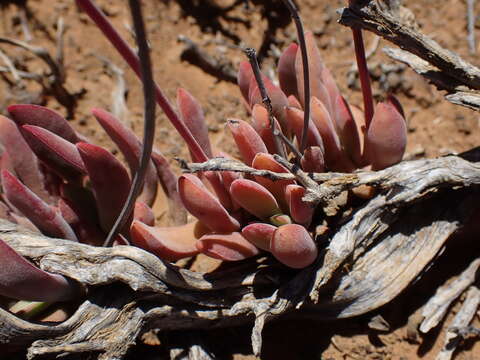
(364,75)
(133,61)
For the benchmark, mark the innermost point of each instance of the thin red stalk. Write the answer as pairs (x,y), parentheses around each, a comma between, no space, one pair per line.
(364,75)
(133,61)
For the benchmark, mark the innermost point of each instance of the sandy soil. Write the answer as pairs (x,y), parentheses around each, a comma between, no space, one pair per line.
(436,127)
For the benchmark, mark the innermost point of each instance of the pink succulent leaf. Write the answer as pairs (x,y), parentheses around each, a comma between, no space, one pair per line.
(293,102)
(42,215)
(144,213)
(259,234)
(295,121)
(24,163)
(248,141)
(227,247)
(244,76)
(131,148)
(335,158)
(392,99)
(27,114)
(204,206)
(228,177)
(168,243)
(293,246)
(168,181)
(6,163)
(264,161)
(58,154)
(6,212)
(313,160)
(87,232)
(261,124)
(21,280)
(219,189)
(254,198)
(315,64)
(109,180)
(348,131)
(192,115)
(300,211)
(386,137)
(331,86)
(286,70)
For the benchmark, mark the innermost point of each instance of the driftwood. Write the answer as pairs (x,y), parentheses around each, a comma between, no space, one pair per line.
(375,254)
(369,256)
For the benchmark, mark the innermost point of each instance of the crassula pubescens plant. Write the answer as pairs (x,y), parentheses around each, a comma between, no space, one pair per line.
(57,182)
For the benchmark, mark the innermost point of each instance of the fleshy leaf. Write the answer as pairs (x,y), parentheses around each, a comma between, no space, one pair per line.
(295,121)
(259,234)
(144,213)
(248,141)
(286,70)
(261,124)
(244,76)
(228,247)
(313,160)
(131,148)
(27,114)
(19,279)
(293,246)
(109,180)
(42,215)
(192,115)
(24,163)
(204,206)
(168,243)
(264,161)
(58,154)
(386,137)
(254,198)
(347,130)
(300,211)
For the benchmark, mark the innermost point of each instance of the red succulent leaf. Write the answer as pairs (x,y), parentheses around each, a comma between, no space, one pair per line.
(259,234)
(331,86)
(254,198)
(24,163)
(280,219)
(264,161)
(19,279)
(27,114)
(109,180)
(42,215)
(313,159)
(348,131)
(168,181)
(168,243)
(293,246)
(293,102)
(300,211)
(295,121)
(315,65)
(192,115)
(261,124)
(244,76)
(58,154)
(386,137)
(131,148)
(286,70)
(144,213)
(392,99)
(228,247)
(248,141)
(204,206)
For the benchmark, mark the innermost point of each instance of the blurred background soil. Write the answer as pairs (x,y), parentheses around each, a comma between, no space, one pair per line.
(95,76)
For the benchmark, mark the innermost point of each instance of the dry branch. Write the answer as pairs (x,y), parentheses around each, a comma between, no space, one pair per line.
(444,68)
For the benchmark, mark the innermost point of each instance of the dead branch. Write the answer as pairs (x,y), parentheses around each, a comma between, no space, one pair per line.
(443,68)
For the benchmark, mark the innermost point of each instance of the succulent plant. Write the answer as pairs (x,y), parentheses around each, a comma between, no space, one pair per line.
(55,181)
